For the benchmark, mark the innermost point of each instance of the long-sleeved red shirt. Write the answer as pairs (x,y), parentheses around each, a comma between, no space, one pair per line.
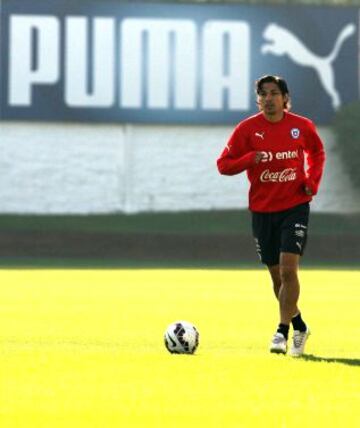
(278,181)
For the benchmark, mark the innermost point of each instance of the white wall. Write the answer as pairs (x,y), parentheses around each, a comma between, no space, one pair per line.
(76,168)
(58,169)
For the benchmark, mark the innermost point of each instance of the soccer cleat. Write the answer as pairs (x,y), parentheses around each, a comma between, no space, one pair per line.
(299,341)
(278,344)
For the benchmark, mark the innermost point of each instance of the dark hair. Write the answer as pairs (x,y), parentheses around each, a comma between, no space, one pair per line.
(279,82)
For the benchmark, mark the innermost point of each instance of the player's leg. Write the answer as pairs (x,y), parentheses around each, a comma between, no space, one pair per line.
(290,287)
(293,241)
(288,298)
(267,243)
(279,341)
(276,281)
(275,277)
(296,321)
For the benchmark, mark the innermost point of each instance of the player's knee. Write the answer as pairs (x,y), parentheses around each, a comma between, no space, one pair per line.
(288,274)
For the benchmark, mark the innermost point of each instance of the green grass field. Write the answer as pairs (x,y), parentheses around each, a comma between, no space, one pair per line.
(84,349)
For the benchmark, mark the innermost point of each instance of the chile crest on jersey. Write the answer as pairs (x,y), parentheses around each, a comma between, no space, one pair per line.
(295,133)
(278,143)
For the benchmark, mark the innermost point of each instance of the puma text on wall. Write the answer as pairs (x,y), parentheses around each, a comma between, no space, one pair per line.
(171,63)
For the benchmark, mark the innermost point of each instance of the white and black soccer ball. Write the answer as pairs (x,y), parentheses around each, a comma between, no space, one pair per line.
(181,337)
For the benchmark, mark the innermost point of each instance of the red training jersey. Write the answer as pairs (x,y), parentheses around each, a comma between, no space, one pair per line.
(278,181)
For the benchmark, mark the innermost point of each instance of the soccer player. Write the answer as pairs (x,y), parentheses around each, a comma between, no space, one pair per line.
(272,146)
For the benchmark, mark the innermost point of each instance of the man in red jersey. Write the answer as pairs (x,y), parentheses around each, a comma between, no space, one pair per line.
(271,146)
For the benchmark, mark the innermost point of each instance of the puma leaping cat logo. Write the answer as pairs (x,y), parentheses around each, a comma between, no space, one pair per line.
(280,41)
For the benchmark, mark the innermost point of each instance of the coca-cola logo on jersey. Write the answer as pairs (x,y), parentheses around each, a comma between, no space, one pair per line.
(288,174)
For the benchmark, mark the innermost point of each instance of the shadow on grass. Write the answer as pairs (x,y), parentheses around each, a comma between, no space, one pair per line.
(346,361)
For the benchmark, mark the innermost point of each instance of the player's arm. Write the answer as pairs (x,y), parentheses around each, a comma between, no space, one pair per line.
(315,152)
(236,157)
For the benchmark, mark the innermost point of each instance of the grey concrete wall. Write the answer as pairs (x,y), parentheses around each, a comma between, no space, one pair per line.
(73,168)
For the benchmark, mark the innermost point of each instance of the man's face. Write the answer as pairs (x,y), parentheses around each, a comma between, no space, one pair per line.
(270,99)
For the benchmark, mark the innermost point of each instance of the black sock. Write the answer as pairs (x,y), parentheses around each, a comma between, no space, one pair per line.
(283,329)
(298,323)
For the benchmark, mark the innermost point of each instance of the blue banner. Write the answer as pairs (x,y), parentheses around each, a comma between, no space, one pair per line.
(105,61)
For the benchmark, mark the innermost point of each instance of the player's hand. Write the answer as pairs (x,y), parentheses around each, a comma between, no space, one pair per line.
(259,156)
(308,191)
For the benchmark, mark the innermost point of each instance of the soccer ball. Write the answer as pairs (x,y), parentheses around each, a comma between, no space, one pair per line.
(181,337)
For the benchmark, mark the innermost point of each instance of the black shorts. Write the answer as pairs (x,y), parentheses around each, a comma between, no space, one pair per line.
(279,232)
